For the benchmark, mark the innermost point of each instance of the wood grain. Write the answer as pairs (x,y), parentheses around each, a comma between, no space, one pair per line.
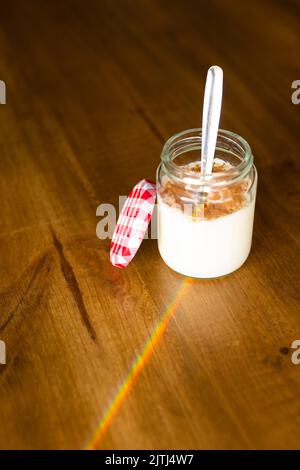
(93,91)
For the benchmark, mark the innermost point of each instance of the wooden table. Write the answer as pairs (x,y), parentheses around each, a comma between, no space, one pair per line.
(141,357)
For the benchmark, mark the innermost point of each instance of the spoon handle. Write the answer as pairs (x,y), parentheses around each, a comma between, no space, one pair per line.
(211,117)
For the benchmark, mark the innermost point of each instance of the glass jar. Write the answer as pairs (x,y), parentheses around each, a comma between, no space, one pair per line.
(205,221)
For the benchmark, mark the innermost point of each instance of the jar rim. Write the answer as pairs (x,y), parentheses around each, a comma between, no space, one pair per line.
(208,179)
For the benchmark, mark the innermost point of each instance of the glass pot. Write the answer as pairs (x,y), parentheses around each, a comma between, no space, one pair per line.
(205,221)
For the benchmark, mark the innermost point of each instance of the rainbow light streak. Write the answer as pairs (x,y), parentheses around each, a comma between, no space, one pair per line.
(137,366)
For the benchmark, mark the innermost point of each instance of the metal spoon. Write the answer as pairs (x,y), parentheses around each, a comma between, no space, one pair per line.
(211,117)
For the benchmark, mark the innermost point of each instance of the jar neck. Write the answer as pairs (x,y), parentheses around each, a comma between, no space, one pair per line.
(187,145)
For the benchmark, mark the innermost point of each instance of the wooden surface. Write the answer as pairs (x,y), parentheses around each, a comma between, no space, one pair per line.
(93,90)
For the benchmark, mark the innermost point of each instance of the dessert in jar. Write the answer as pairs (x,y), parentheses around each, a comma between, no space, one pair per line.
(205,221)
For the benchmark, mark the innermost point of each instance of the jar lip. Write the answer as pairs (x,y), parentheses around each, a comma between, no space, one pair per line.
(220,178)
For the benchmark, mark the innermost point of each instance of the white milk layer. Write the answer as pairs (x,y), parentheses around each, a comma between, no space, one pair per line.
(227,241)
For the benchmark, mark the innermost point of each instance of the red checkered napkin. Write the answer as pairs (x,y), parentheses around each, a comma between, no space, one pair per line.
(132,224)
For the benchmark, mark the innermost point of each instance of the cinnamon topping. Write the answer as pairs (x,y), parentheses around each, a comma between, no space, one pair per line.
(208,206)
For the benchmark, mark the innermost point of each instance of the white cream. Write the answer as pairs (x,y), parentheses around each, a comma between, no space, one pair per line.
(227,240)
